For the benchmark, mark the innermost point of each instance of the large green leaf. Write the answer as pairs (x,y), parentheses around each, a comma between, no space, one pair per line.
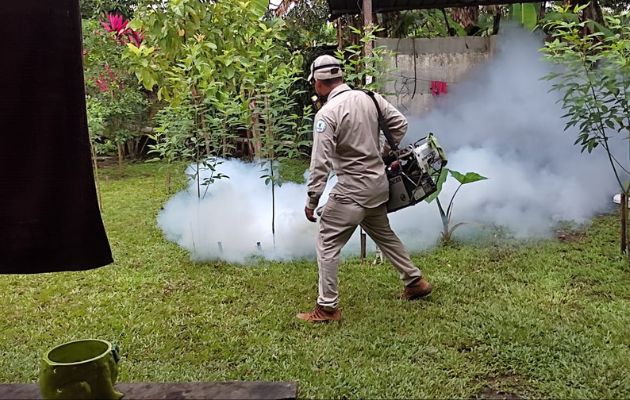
(439,183)
(147,79)
(468,177)
(259,6)
(526,14)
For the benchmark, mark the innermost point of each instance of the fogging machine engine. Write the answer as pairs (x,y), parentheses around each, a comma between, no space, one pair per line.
(414,174)
(414,171)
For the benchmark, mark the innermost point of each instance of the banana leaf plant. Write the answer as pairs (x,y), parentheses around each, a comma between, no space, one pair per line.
(525,14)
(463,179)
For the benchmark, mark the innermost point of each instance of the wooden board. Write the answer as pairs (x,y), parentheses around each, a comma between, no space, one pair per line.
(193,390)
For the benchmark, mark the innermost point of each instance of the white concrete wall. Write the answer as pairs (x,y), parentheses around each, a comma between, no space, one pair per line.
(439,59)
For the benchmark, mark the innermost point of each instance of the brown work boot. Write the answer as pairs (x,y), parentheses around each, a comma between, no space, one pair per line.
(417,290)
(319,314)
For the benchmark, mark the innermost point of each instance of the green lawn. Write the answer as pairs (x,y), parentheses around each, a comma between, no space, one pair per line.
(548,319)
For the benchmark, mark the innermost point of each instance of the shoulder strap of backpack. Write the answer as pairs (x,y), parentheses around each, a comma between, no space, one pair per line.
(381,121)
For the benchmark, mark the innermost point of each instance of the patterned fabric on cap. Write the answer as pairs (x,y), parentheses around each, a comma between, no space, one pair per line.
(325,67)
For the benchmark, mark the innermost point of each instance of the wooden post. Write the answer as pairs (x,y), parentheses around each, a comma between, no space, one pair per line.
(624,222)
(367,24)
(379,256)
(363,244)
(120,158)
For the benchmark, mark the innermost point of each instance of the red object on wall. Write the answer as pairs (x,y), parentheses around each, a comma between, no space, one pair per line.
(438,88)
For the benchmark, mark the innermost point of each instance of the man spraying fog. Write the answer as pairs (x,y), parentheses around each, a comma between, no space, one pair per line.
(346,139)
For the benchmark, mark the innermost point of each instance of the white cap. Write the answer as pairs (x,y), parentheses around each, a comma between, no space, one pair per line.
(325,67)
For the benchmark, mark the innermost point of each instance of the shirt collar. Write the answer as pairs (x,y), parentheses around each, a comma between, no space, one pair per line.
(341,88)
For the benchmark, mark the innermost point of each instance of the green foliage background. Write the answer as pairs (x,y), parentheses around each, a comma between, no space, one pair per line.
(117,107)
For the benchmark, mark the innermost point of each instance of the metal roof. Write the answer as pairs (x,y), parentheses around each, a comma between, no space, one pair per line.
(340,7)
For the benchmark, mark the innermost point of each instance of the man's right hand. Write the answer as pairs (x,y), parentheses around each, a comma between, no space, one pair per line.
(310,214)
(390,157)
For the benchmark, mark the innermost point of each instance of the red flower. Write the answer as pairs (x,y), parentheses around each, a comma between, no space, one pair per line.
(115,23)
(134,37)
(102,84)
(110,73)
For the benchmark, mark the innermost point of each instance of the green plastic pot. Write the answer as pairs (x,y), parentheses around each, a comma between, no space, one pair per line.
(82,369)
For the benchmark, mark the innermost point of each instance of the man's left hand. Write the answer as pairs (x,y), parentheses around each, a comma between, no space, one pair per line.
(310,214)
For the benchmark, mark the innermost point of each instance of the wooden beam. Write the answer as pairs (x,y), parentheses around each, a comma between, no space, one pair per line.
(340,7)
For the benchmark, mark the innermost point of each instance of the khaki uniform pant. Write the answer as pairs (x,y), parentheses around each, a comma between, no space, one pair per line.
(339,220)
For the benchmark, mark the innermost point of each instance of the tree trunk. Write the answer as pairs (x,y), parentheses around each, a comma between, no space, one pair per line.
(224,143)
(340,42)
(468,17)
(201,120)
(390,21)
(120,157)
(273,207)
(204,133)
(271,142)
(345,37)
(283,8)
(592,12)
(451,31)
(198,179)
(271,147)
(496,23)
(256,144)
(96,180)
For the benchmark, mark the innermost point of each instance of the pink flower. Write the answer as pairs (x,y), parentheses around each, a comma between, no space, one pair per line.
(101,84)
(110,73)
(115,23)
(134,37)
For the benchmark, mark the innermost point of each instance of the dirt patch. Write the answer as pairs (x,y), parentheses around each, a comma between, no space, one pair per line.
(504,387)
(570,235)
(106,162)
(591,287)
(493,394)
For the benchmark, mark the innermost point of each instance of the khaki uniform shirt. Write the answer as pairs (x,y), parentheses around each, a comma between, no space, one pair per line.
(346,139)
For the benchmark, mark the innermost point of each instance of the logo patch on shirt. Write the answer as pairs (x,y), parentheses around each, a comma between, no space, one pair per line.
(320,126)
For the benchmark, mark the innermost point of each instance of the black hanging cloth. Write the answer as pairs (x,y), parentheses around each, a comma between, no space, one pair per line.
(49,216)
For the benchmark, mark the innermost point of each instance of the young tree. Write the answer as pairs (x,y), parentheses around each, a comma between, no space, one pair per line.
(595,84)
(201,59)
(283,130)
(227,70)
